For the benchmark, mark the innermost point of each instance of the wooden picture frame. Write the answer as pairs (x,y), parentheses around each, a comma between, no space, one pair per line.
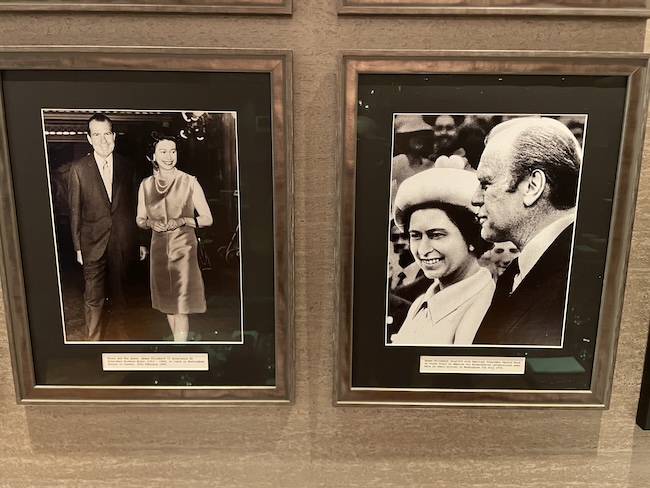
(228,113)
(477,90)
(245,7)
(589,8)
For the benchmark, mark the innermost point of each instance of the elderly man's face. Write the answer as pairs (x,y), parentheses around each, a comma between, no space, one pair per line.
(501,209)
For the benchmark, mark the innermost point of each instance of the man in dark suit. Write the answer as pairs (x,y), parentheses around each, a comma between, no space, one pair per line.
(102,201)
(528,175)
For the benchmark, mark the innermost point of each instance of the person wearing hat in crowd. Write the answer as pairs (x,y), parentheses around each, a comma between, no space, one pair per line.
(413,143)
(435,208)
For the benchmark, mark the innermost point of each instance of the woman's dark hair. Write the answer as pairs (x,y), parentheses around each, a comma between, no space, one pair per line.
(156,137)
(464,219)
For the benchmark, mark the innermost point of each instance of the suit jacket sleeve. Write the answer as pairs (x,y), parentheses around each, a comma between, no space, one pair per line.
(74,203)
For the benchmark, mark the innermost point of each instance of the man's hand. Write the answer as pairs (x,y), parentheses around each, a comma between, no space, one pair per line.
(80,259)
(143,253)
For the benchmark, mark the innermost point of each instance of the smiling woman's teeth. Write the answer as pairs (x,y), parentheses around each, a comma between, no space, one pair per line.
(431,261)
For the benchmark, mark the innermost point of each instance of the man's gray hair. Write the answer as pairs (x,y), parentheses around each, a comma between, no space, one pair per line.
(548,145)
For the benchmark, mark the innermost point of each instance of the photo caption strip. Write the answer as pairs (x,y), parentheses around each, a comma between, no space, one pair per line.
(472,365)
(155,362)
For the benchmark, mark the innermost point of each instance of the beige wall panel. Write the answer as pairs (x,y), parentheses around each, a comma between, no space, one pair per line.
(313,444)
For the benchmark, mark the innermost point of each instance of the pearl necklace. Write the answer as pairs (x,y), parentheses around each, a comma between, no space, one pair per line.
(163,185)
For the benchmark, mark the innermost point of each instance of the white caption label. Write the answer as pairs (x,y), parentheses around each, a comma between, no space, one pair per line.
(472,365)
(155,362)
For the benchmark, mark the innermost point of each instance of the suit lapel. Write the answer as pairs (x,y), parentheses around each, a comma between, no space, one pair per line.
(96,177)
(118,177)
(534,285)
(504,283)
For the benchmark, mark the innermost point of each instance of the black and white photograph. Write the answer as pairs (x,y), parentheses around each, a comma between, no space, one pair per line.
(481,228)
(145,209)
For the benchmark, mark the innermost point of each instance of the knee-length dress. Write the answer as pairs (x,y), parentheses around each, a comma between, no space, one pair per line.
(176,281)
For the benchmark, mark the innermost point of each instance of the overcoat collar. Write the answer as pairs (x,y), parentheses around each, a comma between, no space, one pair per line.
(441,303)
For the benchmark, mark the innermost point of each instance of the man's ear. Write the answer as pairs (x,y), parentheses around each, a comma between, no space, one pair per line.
(533,187)
(90,141)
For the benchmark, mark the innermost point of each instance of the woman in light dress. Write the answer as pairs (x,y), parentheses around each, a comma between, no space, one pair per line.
(172,204)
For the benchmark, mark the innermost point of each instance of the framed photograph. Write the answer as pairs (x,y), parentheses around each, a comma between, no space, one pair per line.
(146,224)
(486,207)
(266,7)
(591,8)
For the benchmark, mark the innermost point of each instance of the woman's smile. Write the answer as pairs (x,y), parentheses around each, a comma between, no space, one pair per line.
(430,261)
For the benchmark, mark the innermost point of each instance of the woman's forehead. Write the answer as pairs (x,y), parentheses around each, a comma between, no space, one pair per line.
(429,218)
(165,144)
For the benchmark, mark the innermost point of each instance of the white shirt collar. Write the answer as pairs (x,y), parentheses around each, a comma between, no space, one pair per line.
(538,245)
(100,160)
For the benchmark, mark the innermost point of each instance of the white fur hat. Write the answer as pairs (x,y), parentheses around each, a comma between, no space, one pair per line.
(446,185)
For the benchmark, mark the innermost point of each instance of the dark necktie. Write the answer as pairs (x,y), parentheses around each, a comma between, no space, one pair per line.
(504,285)
(400,278)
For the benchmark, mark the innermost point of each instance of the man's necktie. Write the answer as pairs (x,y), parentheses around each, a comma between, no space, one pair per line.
(400,278)
(106,176)
(508,277)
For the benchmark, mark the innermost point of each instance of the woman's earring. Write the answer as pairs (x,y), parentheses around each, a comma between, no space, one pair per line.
(471,248)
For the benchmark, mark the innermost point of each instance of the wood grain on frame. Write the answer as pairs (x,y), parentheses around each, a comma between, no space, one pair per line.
(594,8)
(262,7)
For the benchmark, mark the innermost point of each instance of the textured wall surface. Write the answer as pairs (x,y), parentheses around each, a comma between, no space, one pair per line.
(312,443)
